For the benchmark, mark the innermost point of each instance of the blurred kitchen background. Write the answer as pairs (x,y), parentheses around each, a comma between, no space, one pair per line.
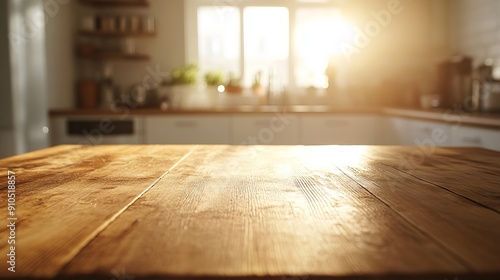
(374,72)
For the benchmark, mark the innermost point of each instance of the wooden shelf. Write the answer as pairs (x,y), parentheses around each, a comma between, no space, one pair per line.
(115,3)
(117,34)
(115,56)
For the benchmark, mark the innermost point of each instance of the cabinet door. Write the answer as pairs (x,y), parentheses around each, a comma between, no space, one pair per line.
(272,129)
(187,130)
(466,136)
(396,131)
(340,130)
(428,133)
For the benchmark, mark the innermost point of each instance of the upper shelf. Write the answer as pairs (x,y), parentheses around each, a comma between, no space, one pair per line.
(116,3)
(115,56)
(117,34)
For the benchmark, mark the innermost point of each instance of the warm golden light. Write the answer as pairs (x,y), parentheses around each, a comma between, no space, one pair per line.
(321,37)
(321,156)
(319,34)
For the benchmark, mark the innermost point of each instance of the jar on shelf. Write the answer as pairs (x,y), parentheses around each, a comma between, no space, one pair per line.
(122,23)
(148,24)
(134,23)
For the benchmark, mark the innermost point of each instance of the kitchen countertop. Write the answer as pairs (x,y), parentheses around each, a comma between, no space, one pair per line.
(229,110)
(487,120)
(254,212)
(441,115)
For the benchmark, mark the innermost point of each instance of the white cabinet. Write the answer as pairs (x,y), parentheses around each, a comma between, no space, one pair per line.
(265,129)
(340,130)
(411,132)
(396,131)
(429,133)
(269,129)
(188,130)
(467,136)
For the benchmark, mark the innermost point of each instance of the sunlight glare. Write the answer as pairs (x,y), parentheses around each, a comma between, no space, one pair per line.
(319,35)
(336,155)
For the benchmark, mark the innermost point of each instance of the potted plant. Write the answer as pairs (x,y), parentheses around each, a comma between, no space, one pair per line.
(234,84)
(182,84)
(257,85)
(186,75)
(214,78)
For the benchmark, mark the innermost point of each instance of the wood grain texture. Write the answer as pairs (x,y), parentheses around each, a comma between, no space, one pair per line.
(433,208)
(256,212)
(234,211)
(66,194)
(470,172)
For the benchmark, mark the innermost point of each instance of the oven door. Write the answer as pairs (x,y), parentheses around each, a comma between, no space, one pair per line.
(96,130)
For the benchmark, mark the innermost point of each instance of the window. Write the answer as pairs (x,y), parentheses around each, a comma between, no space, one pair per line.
(289,41)
(219,39)
(266,34)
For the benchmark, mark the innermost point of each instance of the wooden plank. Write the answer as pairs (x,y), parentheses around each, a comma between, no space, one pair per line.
(471,173)
(263,211)
(115,3)
(66,195)
(466,228)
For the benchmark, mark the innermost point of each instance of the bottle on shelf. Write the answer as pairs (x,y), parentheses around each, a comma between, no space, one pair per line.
(107,88)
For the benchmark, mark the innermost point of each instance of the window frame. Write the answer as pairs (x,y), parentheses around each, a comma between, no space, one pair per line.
(191,25)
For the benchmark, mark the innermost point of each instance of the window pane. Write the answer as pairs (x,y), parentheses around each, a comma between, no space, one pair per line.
(266,36)
(219,39)
(318,34)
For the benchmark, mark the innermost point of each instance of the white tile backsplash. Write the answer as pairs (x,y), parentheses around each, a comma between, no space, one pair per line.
(477,28)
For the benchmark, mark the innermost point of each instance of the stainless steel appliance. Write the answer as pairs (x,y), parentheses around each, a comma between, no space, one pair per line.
(489,98)
(23,81)
(486,89)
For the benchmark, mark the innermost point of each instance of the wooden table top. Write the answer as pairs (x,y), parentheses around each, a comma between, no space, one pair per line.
(281,212)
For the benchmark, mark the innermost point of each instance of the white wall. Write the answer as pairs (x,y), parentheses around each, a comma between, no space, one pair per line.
(166,48)
(407,48)
(477,24)
(60,52)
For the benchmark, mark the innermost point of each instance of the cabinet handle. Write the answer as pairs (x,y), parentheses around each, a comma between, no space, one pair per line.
(472,140)
(186,124)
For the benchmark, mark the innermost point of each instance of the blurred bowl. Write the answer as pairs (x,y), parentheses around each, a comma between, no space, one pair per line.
(428,101)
